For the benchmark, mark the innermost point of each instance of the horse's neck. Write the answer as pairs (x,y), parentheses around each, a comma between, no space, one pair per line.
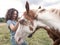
(49,19)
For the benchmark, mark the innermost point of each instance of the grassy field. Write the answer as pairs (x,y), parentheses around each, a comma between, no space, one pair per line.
(39,38)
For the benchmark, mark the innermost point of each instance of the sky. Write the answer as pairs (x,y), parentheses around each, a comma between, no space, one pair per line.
(20,5)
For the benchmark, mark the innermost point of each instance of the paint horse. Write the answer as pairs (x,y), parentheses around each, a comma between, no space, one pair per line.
(26,27)
(49,17)
(29,23)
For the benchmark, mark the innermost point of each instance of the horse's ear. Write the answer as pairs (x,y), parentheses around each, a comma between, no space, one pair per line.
(39,7)
(27,6)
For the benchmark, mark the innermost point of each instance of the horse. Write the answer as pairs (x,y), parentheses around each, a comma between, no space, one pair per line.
(49,17)
(25,29)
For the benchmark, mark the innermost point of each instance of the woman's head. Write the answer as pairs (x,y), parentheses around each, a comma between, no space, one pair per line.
(12,14)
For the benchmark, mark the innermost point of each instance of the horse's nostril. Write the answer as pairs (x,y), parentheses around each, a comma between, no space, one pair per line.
(19,39)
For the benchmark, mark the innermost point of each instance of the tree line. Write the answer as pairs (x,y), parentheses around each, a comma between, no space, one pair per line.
(2,19)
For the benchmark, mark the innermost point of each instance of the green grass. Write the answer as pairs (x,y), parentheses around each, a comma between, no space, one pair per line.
(39,38)
(4,35)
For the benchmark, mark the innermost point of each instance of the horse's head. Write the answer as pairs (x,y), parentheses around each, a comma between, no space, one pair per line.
(31,15)
(44,15)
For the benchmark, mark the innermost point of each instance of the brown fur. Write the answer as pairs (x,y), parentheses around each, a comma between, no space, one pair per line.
(30,15)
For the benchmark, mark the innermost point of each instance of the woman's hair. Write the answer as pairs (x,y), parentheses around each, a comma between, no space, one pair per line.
(10,13)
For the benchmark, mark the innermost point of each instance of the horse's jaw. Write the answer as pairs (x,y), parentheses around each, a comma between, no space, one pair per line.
(49,19)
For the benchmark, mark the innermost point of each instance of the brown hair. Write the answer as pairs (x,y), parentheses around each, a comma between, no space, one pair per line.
(9,14)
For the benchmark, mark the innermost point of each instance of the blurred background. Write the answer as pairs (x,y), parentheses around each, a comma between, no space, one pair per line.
(40,37)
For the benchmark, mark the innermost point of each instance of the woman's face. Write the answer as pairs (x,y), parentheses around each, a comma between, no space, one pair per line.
(14,15)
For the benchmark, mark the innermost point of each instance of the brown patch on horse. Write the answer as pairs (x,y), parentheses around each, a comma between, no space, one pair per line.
(57,32)
(57,42)
(30,15)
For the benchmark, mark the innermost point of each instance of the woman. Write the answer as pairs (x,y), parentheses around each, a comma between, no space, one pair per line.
(12,22)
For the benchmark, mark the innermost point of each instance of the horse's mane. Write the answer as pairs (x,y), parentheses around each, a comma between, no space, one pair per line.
(55,11)
(52,10)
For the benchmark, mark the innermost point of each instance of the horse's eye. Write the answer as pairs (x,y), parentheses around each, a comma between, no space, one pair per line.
(23,22)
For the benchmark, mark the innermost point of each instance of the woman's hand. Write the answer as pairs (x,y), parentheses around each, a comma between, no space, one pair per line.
(19,19)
